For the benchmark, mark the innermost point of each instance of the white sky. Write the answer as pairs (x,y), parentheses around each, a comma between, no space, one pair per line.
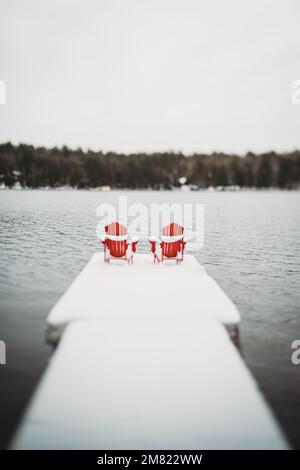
(144,75)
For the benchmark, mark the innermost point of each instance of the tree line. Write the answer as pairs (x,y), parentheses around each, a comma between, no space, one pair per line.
(36,167)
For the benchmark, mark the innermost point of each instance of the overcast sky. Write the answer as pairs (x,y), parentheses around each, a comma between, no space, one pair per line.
(144,75)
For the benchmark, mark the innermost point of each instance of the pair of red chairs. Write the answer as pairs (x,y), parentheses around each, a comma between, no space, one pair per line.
(117,245)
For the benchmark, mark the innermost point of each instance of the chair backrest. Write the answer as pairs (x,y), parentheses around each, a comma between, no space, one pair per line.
(172,239)
(116,239)
(173,230)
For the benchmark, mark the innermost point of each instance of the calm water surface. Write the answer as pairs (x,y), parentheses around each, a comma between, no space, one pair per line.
(252,248)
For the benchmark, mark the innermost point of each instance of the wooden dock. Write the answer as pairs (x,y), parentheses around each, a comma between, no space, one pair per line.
(141,290)
(144,361)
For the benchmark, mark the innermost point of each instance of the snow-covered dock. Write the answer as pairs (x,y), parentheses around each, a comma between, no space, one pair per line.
(141,290)
(144,361)
(148,384)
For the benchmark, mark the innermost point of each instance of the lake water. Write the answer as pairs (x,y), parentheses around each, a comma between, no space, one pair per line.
(251,247)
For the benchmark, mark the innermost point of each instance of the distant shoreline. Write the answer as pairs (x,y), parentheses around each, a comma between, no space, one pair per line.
(175,189)
(38,167)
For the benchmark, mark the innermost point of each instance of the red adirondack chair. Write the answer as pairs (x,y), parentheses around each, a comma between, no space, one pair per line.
(116,243)
(171,245)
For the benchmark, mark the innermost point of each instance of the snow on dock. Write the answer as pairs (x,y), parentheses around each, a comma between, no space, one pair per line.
(141,290)
(135,382)
(144,361)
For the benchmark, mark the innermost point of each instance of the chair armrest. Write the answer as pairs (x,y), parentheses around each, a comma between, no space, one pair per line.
(153,241)
(134,241)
